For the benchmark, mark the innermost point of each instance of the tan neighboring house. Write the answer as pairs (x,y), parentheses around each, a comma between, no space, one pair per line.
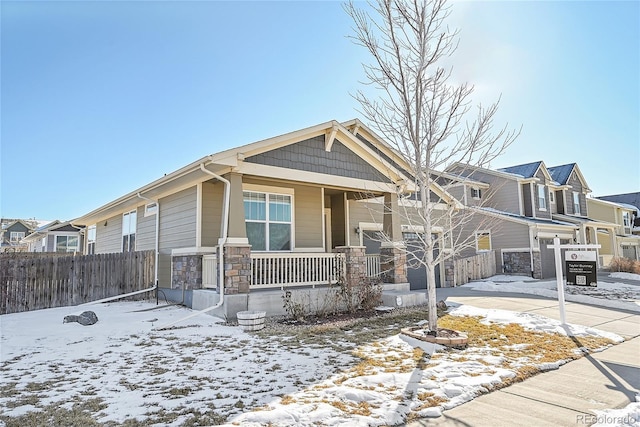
(282,212)
(620,241)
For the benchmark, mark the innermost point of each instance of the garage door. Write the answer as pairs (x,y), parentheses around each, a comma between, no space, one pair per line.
(547,257)
(629,252)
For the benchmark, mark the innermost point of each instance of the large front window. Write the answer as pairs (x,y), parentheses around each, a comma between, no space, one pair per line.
(66,243)
(268,220)
(129,231)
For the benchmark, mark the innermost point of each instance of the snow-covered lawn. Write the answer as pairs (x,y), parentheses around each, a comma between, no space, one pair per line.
(122,370)
(606,294)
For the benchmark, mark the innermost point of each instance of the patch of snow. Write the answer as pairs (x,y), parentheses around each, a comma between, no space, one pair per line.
(623,275)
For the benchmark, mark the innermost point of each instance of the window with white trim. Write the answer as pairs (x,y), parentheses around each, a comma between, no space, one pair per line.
(476,193)
(552,196)
(129,221)
(91,239)
(67,243)
(542,199)
(16,236)
(576,203)
(626,219)
(150,209)
(268,220)
(483,241)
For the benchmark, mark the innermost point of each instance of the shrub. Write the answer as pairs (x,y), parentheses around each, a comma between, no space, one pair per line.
(625,265)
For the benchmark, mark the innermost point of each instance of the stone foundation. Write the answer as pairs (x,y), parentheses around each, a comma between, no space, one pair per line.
(237,269)
(393,264)
(355,264)
(519,263)
(186,272)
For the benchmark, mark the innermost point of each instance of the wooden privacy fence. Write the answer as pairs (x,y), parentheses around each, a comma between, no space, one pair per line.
(475,267)
(46,281)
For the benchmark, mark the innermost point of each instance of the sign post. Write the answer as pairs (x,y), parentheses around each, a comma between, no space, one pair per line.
(558,258)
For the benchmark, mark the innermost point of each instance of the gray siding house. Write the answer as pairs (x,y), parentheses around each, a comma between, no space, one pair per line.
(281,212)
(525,206)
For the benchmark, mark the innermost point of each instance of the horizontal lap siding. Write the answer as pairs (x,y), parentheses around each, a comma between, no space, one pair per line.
(308,217)
(109,237)
(212,202)
(177,228)
(145,231)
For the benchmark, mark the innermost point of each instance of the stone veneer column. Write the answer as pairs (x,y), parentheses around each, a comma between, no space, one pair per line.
(237,269)
(393,264)
(355,264)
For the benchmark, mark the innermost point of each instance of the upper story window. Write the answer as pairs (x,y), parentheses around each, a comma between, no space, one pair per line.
(150,209)
(483,241)
(476,193)
(552,196)
(576,203)
(626,219)
(542,199)
(91,239)
(16,236)
(268,220)
(129,221)
(67,243)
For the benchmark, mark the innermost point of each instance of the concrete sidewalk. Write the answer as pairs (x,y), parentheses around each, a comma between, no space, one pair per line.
(564,397)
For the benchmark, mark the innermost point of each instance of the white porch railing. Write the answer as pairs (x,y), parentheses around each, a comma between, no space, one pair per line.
(271,270)
(373,265)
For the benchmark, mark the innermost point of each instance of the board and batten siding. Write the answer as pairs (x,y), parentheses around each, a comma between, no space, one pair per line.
(576,186)
(540,213)
(109,235)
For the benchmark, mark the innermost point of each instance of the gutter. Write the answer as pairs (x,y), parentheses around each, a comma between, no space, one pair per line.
(221,243)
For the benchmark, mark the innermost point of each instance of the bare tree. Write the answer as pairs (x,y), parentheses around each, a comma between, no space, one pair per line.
(420,112)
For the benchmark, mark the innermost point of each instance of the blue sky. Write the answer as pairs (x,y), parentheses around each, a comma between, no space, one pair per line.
(100,98)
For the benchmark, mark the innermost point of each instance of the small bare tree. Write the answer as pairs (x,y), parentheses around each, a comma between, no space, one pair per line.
(421,113)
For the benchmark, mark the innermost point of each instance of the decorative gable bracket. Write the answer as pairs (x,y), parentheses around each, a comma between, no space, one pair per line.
(331,136)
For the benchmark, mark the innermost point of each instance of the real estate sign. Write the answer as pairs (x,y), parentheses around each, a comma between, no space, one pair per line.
(581,268)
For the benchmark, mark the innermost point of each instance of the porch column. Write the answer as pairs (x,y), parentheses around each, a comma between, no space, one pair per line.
(355,264)
(393,256)
(237,251)
(237,227)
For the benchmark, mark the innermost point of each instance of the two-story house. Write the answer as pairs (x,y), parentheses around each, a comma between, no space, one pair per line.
(624,243)
(530,205)
(13,231)
(630,200)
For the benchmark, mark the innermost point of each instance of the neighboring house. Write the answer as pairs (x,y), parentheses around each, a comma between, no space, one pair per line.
(630,200)
(527,206)
(13,231)
(625,244)
(56,236)
(286,210)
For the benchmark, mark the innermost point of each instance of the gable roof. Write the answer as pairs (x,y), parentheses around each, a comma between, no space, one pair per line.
(561,174)
(632,199)
(376,153)
(527,170)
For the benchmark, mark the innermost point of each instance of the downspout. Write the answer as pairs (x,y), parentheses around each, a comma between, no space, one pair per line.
(221,243)
(157,242)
